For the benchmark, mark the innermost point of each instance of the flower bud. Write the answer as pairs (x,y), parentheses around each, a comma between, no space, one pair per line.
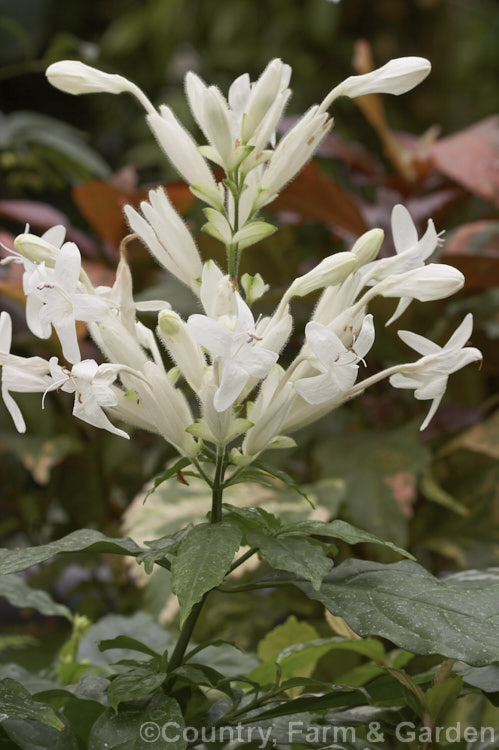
(40,249)
(184,351)
(180,148)
(74,77)
(329,272)
(431,282)
(368,245)
(254,287)
(261,98)
(396,77)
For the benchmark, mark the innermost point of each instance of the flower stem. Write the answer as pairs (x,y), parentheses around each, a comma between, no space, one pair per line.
(218,487)
(190,623)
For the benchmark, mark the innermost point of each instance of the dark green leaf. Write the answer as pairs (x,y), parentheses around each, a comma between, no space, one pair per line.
(295,554)
(414,610)
(134,685)
(124,641)
(344,531)
(17,703)
(283,476)
(19,594)
(203,559)
(83,540)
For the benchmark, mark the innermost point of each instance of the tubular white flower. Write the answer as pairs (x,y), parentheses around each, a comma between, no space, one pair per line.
(396,77)
(431,282)
(236,351)
(183,349)
(338,364)
(217,292)
(268,413)
(219,427)
(53,299)
(263,94)
(19,374)
(167,237)
(74,77)
(91,384)
(167,407)
(429,375)
(292,153)
(181,149)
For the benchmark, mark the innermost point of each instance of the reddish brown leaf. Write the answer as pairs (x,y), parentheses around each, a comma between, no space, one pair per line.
(471,158)
(474,249)
(101,203)
(313,196)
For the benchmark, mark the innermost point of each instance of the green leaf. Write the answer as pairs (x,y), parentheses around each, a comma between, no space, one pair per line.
(17,703)
(334,699)
(19,594)
(83,540)
(137,729)
(407,605)
(203,559)
(344,531)
(134,685)
(168,474)
(441,696)
(124,641)
(295,554)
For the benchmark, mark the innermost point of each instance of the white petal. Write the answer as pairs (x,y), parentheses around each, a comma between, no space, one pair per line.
(462,358)
(91,413)
(432,389)
(13,410)
(431,413)
(405,235)
(210,278)
(234,379)
(461,335)
(211,335)
(68,267)
(5,332)
(325,344)
(245,319)
(257,362)
(365,339)
(86,370)
(55,235)
(88,307)
(402,306)
(66,332)
(419,343)
(318,389)
(38,327)
(399,380)
(239,92)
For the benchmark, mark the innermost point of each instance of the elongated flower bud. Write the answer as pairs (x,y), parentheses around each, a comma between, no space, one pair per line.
(181,149)
(263,95)
(368,245)
(396,77)
(74,77)
(166,236)
(431,282)
(185,352)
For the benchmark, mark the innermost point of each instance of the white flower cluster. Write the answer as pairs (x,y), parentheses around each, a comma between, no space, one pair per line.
(223,357)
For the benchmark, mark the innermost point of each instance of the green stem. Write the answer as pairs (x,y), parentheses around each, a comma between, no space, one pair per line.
(218,487)
(243,558)
(190,623)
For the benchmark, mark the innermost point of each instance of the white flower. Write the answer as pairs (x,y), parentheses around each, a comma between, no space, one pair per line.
(217,292)
(396,77)
(166,236)
(185,352)
(235,351)
(91,384)
(53,299)
(41,249)
(428,376)
(74,77)
(181,149)
(293,151)
(19,374)
(337,363)
(431,282)
(411,253)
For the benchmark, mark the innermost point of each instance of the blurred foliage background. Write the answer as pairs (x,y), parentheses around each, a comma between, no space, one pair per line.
(77,160)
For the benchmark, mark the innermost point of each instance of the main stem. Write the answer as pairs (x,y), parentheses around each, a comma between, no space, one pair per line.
(190,623)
